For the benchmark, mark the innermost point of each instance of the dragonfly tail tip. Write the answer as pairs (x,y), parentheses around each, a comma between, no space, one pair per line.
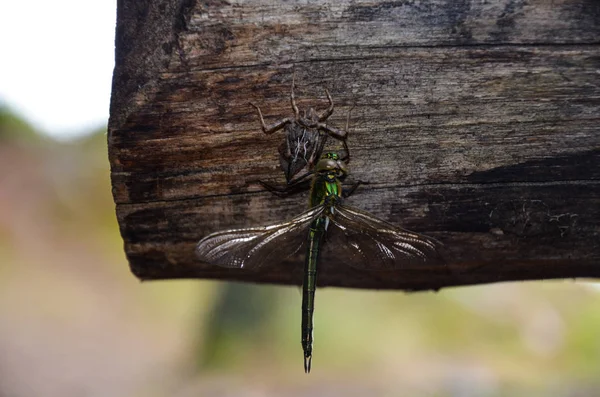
(307,361)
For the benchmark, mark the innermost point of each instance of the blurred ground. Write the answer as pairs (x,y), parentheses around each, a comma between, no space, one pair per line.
(75,322)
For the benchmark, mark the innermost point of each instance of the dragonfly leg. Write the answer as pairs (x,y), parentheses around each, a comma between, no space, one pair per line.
(292,99)
(346,157)
(349,192)
(273,127)
(295,187)
(329,111)
(335,132)
(301,178)
(332,131)
(343,136)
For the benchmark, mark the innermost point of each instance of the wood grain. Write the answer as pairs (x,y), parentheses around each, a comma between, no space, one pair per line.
(476,123)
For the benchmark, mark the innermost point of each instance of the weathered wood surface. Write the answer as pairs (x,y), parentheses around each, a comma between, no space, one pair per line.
(475,122)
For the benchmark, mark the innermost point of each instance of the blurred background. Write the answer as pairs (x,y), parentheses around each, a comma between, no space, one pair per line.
(75,322)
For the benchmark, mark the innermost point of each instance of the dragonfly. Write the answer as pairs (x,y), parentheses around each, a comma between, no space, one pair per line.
(305,136)
(327,231)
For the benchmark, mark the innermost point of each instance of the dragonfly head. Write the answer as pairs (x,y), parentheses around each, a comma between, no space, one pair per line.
(309,118)
(331,167)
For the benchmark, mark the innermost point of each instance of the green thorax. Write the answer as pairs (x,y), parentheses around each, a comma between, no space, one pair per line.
(326,182)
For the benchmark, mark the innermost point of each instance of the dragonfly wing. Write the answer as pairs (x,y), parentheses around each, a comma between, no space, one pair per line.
(365,242)
(258,246)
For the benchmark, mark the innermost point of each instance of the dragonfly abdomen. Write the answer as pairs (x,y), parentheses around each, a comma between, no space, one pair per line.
(309,285)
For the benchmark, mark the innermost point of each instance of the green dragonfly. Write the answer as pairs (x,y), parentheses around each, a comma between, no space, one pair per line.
(328,229)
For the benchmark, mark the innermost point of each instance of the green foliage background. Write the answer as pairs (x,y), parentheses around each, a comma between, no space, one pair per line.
(75,321)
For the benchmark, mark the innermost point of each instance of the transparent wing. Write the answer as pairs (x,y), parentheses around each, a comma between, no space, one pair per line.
(368,243)
(259,246)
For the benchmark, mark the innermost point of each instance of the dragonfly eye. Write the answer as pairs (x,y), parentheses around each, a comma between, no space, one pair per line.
(331,156)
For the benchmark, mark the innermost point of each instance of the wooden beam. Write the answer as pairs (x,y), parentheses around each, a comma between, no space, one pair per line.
(475,123)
